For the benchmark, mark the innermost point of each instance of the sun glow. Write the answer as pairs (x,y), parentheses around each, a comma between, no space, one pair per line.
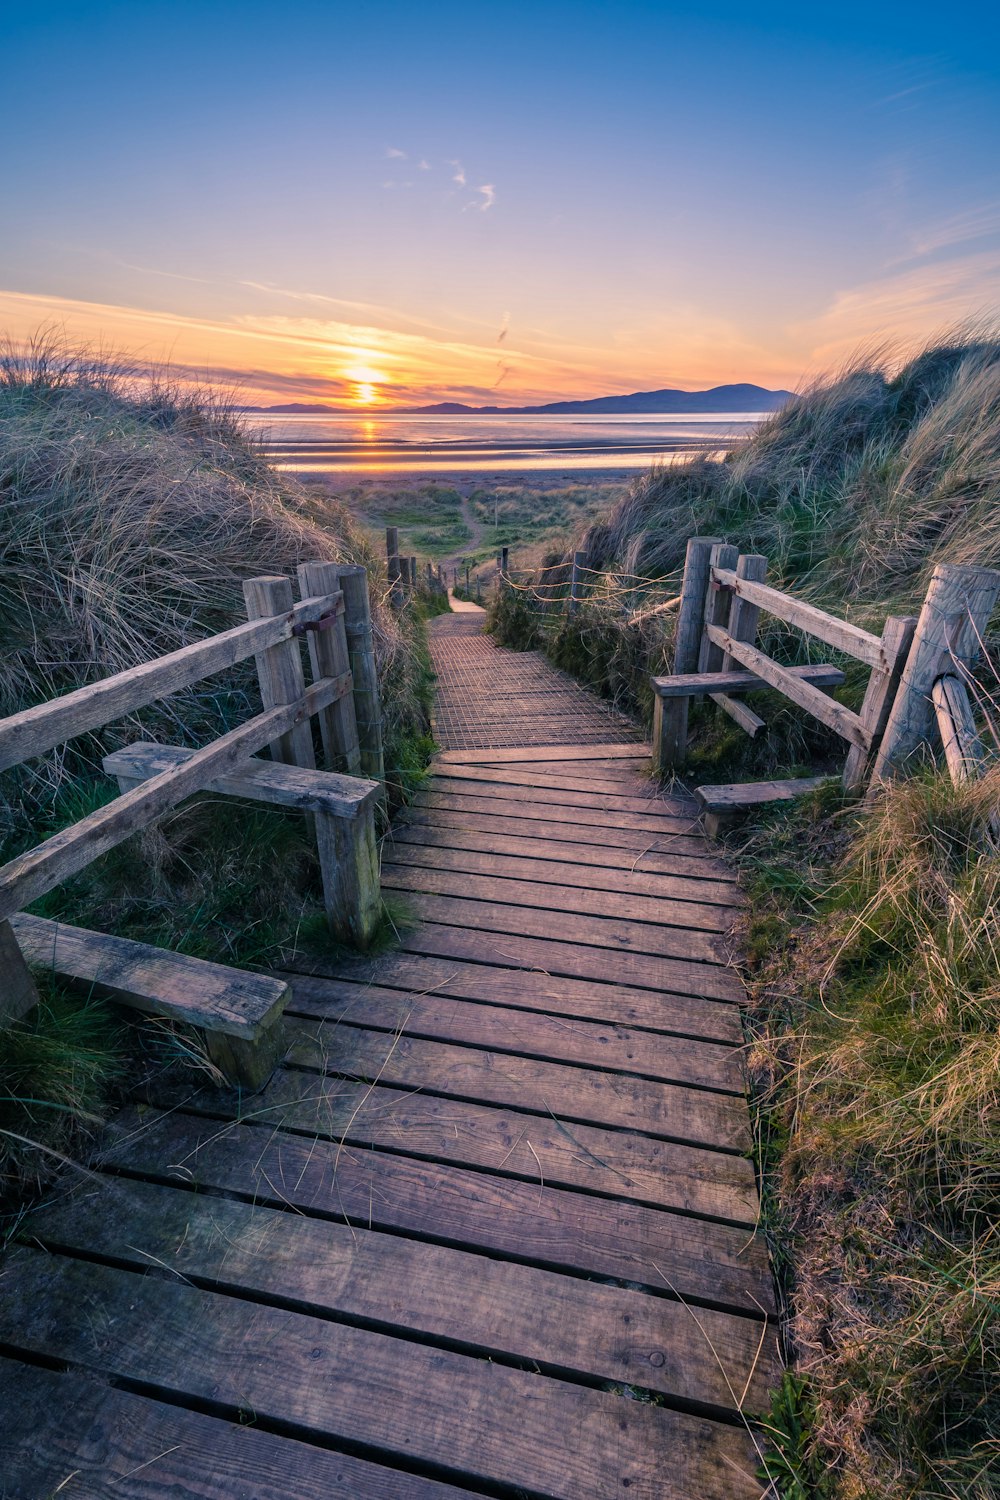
(365,393)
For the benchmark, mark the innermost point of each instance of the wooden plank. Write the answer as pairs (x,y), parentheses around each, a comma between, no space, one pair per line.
(740,713)
(567,780)
(541,753)
(74,1436)
(568,791)
(34,731)
(628,1102)
(840,634)
(254,780)
(279,669)
(29,876)
(741,795)
(152,980)
(620,849)
(18,991)
(718,1265)
(555,813)
(636,939)
(467,1415)
(507,1310)
(552,897)
(484,983)
(834,715)
(678,976)
(461,1133)
(697,683)
(455,850)
(440,1016)
(742,626)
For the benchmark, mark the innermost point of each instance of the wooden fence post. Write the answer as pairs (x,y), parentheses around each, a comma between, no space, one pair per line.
(17,988)
(358,622)
(393,565)
(897,638)
(576,582)
(279,669)
(743,618)
(670,716)
(963,750)
(718,603)
(329,656)
(948,635)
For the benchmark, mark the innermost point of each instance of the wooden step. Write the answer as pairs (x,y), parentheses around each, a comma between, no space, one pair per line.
(237,1012)
(723,805)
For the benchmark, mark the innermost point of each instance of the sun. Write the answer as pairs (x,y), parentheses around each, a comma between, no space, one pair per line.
(366,383)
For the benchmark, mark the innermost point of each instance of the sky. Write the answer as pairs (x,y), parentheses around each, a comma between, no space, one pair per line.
(391,204)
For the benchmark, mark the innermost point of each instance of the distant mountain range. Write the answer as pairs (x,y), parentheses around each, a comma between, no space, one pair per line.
(721,398)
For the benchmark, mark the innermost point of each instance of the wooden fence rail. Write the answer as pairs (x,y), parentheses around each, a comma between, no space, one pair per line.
(334,617)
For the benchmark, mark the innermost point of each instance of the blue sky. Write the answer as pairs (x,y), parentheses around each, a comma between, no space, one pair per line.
(498,203)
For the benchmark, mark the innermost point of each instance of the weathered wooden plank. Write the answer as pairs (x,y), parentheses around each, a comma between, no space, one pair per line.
(693,684)
(508,1310)
(537,990)
(152,980)
(29,876)
(36,730)
(406,847)
(504,787)
(840,634)
(516,837)
(633,938)
(636,789)
(611,751)
(457,1132)
(674,1111)
(689,915)
(255,780)
(279,669)
(677,976)
(718,601)
(834,715)
(74,1435)
(680,831)
(364,669)
(717,1264)
(443,1017)
(288,1367)
(329,657)
(740,795)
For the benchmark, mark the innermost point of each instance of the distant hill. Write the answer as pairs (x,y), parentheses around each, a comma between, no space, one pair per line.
(721,398)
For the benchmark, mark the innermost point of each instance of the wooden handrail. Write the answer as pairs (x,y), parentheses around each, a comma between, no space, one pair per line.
(37,730)
(31,875)
(840,634)
(834,715)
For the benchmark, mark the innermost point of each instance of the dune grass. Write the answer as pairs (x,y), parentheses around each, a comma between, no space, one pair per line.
(872,948)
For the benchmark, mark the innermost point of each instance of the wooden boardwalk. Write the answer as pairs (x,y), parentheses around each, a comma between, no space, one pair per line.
(490,1229)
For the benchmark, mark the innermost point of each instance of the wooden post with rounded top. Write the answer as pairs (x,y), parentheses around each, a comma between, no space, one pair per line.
(670,716)
(279,669)
(328,654)
(353,581)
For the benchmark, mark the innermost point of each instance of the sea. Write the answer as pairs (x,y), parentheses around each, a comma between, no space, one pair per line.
(374,445)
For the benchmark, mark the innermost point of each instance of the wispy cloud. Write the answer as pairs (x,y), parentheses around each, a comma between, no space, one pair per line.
(489,193)
(423,166)
(505,329)
(458,175)
(393,153)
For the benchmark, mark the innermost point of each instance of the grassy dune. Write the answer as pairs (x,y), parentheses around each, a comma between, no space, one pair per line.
(130,514)
(872,949)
